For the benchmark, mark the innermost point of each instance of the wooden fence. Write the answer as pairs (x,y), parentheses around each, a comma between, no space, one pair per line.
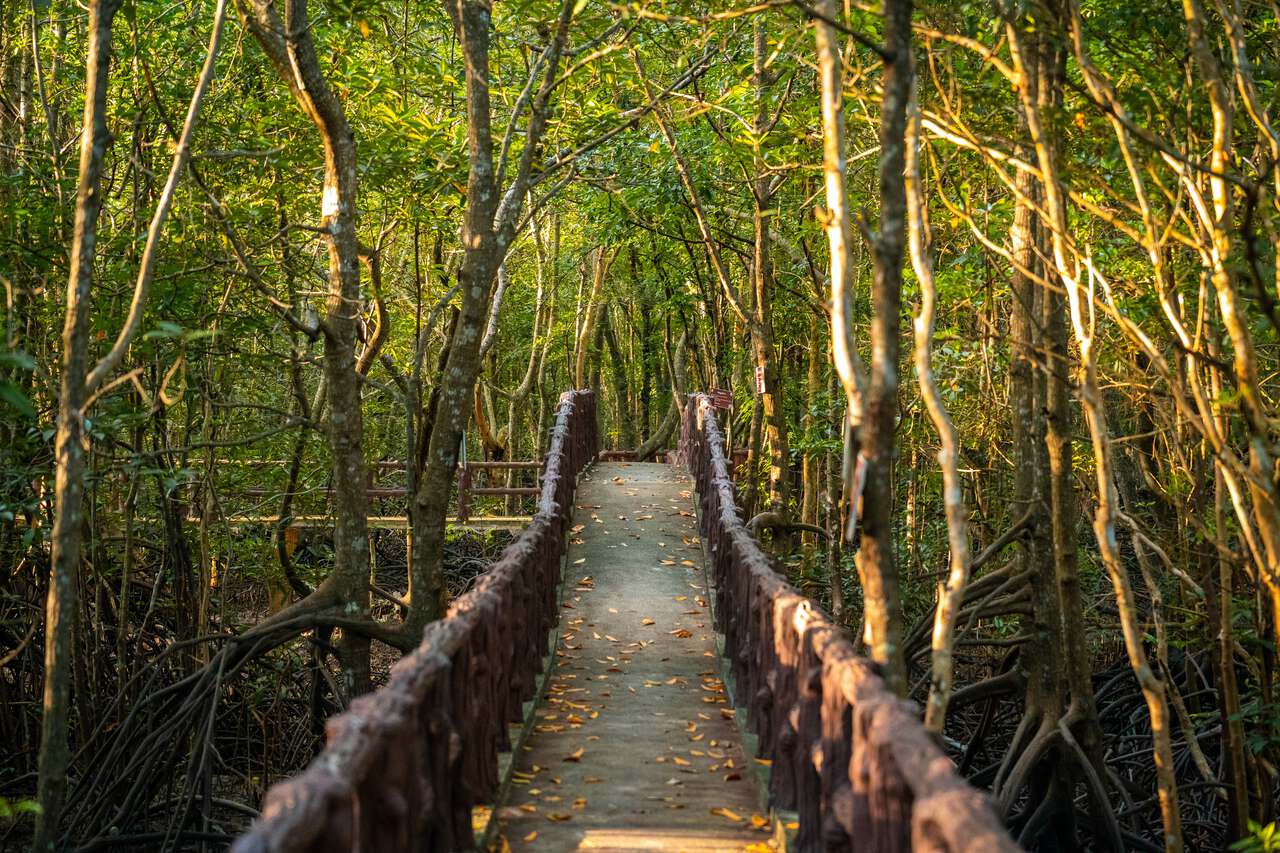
(404,766)
(847,754)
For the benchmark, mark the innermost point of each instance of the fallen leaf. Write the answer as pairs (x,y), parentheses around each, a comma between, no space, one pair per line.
(531,836)
(645,621)
(579,561)
(576,755)
(557,817)
(759,821)
(729,814)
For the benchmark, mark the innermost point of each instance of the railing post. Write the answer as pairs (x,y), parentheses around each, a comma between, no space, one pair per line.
(464,493)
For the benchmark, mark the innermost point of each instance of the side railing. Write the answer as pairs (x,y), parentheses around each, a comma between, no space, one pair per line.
(404,766)
(847,755)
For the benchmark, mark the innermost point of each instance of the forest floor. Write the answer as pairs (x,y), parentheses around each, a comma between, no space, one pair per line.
(634,746)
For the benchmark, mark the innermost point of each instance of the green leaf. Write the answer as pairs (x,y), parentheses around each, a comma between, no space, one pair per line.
(12,394)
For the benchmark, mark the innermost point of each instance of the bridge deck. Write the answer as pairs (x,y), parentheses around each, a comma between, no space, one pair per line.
(634,746)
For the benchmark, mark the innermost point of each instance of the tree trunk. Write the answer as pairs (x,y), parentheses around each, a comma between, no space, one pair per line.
(810,486)
(761,331)
(68,442)
(488,229)
(618,371)
(295,60)
(876,564)
(68,521)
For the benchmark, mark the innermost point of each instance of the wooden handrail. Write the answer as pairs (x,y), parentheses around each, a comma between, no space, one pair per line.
(404,766)
(847,754)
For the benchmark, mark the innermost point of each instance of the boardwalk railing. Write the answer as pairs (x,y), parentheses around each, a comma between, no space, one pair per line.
(847,754)
(404,766)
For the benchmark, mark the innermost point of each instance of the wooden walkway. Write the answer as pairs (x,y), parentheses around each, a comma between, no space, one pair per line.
(634,745)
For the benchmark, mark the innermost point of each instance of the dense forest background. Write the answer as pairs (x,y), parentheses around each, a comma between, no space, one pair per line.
(258,255)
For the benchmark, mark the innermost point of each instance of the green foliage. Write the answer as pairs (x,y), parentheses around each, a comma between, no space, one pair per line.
(1261,839)
(13,810)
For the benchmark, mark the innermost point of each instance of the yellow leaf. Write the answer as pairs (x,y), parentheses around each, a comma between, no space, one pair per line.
(646,621)
(729,814)
(576,755)
(531,836)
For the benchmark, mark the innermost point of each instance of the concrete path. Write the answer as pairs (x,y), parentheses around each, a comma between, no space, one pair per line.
(634,746)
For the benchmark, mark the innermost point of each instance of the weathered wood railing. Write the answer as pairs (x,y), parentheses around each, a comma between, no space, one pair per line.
(404,766)
(465,483)
(467,489)
(847,754)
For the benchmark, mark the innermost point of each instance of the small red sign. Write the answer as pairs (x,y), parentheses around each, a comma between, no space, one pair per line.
(721,399)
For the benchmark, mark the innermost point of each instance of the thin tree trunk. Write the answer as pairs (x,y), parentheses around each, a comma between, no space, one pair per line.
(872,402)
(1070,271)
(288,44)
(810,487)
(488,229)
(618,370)
(601,261)
(950,595)
(761,330)
(68,521)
